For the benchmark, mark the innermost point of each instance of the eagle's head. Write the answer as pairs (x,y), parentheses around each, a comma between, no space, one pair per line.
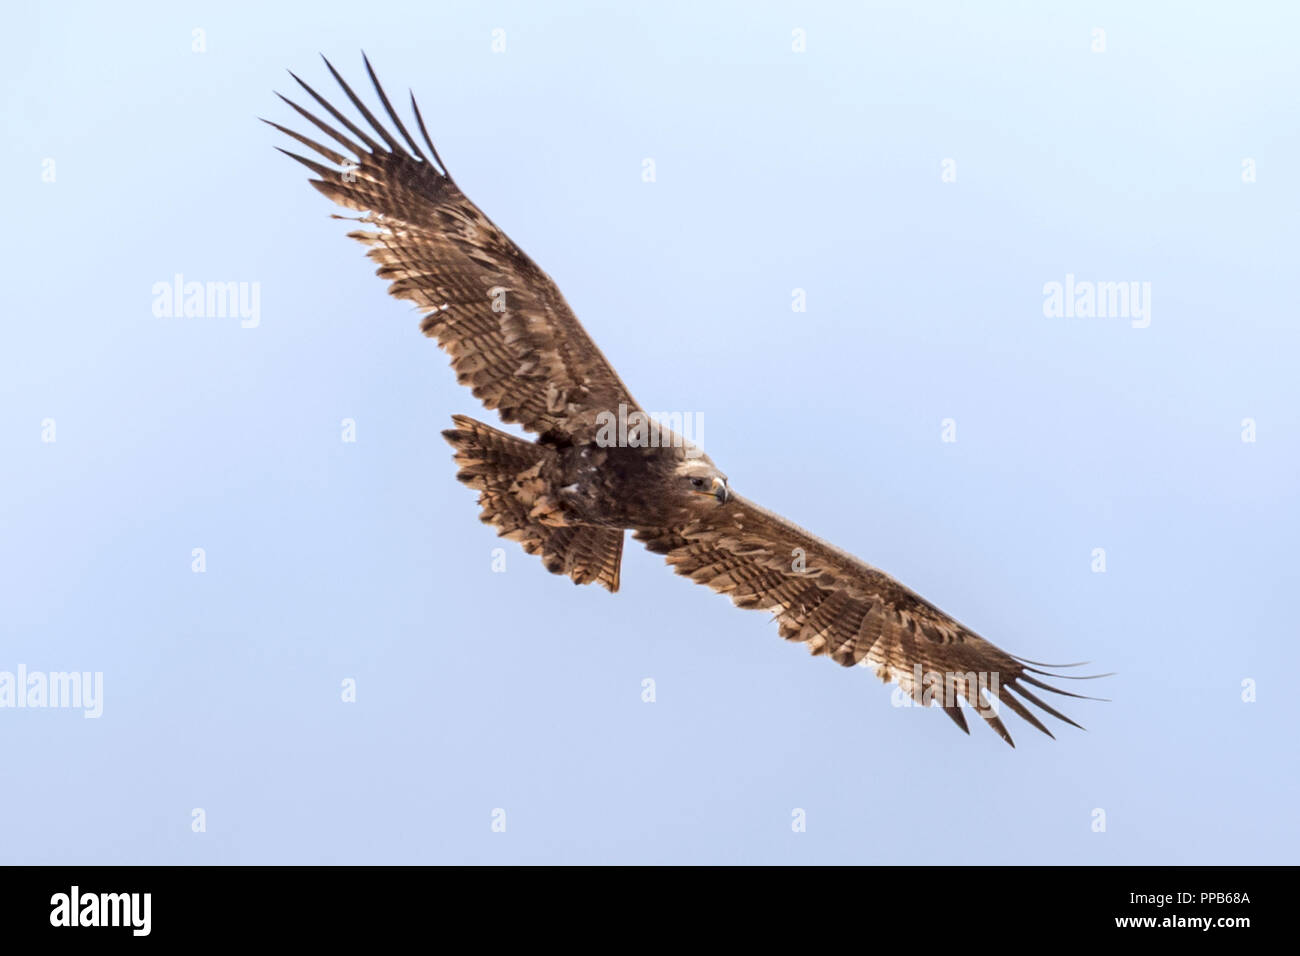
(700,482)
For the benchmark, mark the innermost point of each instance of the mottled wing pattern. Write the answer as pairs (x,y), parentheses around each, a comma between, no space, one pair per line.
(842,607)
(511,336)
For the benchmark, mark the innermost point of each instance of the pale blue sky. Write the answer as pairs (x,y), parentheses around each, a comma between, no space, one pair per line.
(775,171)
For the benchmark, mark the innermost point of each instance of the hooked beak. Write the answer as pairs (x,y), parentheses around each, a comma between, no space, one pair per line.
(721,491)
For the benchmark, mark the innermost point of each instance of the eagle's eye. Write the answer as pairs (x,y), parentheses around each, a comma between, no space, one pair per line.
(697,482)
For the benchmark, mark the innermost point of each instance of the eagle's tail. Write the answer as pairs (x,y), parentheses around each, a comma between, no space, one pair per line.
(514,497)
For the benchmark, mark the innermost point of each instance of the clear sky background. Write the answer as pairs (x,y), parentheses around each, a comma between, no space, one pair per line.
(776,171)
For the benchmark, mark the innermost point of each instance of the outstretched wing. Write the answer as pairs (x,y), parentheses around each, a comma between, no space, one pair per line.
(512,338)
(852,612)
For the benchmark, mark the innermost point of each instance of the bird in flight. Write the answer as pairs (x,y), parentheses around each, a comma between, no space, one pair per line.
(570,495)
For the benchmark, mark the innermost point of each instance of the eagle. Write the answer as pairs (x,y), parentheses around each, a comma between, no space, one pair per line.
(570,495)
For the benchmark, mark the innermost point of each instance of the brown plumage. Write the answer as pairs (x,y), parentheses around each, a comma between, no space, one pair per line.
(570,495)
